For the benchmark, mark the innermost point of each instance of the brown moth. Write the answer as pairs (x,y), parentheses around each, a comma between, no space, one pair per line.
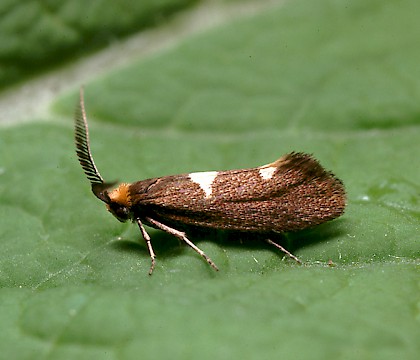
(293,193)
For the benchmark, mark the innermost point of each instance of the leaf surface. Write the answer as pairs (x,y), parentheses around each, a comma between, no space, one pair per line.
(336,79)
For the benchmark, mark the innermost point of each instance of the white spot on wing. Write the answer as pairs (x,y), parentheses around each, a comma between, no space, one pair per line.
(205,180)
(267,172)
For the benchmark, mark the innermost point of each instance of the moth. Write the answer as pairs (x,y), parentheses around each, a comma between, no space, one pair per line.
(292,193)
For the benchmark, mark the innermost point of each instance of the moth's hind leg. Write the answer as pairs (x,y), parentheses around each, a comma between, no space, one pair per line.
(181,235)
(281,248)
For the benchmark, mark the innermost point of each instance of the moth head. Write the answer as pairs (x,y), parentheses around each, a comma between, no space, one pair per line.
(117,200)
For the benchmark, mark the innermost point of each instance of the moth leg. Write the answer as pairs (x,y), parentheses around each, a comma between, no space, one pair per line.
(146,238)
(181,235)
(288,253)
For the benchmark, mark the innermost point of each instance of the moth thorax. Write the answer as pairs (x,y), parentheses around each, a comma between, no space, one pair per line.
(120,202)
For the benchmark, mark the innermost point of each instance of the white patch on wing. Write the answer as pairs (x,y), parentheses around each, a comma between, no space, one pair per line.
(205,180)
(267,172)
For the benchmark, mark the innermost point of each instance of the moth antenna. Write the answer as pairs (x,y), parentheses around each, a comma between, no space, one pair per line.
(81,137)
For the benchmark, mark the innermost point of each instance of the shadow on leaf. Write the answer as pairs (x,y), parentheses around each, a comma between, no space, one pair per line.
(166,245)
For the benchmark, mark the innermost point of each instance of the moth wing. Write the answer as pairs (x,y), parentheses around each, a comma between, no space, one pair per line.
(292,193)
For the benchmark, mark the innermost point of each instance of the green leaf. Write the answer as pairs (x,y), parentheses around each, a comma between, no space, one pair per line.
(334,78)
(35,35)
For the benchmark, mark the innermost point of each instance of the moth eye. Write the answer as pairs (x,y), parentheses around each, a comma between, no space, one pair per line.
(122,213)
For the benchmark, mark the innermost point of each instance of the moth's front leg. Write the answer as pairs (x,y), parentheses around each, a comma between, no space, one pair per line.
(181,235)
(146,238)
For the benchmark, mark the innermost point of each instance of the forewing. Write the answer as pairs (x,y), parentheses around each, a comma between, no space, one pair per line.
(292,193)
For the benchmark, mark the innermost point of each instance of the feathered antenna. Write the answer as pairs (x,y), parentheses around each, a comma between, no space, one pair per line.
(81,137)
